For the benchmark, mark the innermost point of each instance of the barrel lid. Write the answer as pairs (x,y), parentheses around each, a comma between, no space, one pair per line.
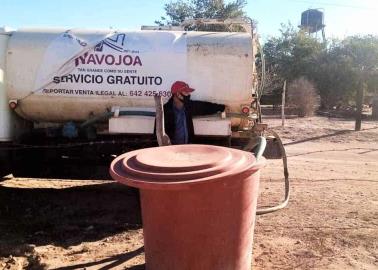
(178,166)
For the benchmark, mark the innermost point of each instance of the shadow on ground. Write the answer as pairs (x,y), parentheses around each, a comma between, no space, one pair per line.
(335,134)
(65,217)
(112,262)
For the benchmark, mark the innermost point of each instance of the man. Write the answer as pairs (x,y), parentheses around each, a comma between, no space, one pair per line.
(179,110)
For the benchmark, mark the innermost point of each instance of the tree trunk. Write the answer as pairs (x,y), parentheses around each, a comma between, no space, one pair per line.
(375,108)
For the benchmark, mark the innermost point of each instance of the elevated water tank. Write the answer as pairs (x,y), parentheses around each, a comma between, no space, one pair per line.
(312,20)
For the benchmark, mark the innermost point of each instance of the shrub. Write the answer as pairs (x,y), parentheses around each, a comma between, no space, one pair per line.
(302,94)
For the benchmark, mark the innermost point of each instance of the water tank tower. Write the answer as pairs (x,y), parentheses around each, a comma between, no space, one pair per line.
(312,21)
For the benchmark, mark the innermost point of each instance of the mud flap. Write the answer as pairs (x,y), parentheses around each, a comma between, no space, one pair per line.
(5,164)
(273,149)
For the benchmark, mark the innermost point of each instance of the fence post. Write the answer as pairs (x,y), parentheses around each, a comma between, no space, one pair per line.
(283,104)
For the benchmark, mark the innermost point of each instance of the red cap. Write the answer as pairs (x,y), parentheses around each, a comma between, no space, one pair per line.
(179,86)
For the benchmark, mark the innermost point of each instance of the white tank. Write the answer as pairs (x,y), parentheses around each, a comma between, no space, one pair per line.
(57,75)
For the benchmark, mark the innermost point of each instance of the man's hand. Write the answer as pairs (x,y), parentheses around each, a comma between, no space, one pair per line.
(225,112)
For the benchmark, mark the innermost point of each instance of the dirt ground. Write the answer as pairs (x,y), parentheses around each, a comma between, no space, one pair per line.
(331,221)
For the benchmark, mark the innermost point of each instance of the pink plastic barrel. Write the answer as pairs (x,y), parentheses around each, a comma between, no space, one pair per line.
(198,204)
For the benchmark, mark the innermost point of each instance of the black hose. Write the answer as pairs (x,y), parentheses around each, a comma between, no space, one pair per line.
(285,202)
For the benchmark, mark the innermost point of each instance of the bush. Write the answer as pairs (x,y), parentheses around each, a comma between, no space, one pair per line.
(302,94)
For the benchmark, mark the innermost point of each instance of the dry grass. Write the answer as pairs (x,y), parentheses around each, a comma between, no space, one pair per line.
(303,95)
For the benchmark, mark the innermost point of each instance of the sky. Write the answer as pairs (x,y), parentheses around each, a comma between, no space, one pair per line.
(342,17)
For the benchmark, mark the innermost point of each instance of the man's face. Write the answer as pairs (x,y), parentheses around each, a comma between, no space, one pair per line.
(182,94)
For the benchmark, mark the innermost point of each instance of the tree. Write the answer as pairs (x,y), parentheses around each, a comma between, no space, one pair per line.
(346,66)
(292,54)
(334,77)
(289,56)
(338,68)
(177,12)
(363,52)
(181,10)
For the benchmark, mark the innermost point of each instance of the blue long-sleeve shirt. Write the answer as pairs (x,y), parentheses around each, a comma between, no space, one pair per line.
(181,128)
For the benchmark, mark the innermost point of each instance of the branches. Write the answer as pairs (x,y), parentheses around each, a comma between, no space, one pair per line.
(336,68)
(181,10)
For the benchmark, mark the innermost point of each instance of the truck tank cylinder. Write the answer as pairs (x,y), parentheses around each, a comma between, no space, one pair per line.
(5,112)
(58,75)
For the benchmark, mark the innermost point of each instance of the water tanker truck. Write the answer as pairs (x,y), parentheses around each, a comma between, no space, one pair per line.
(89,95)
